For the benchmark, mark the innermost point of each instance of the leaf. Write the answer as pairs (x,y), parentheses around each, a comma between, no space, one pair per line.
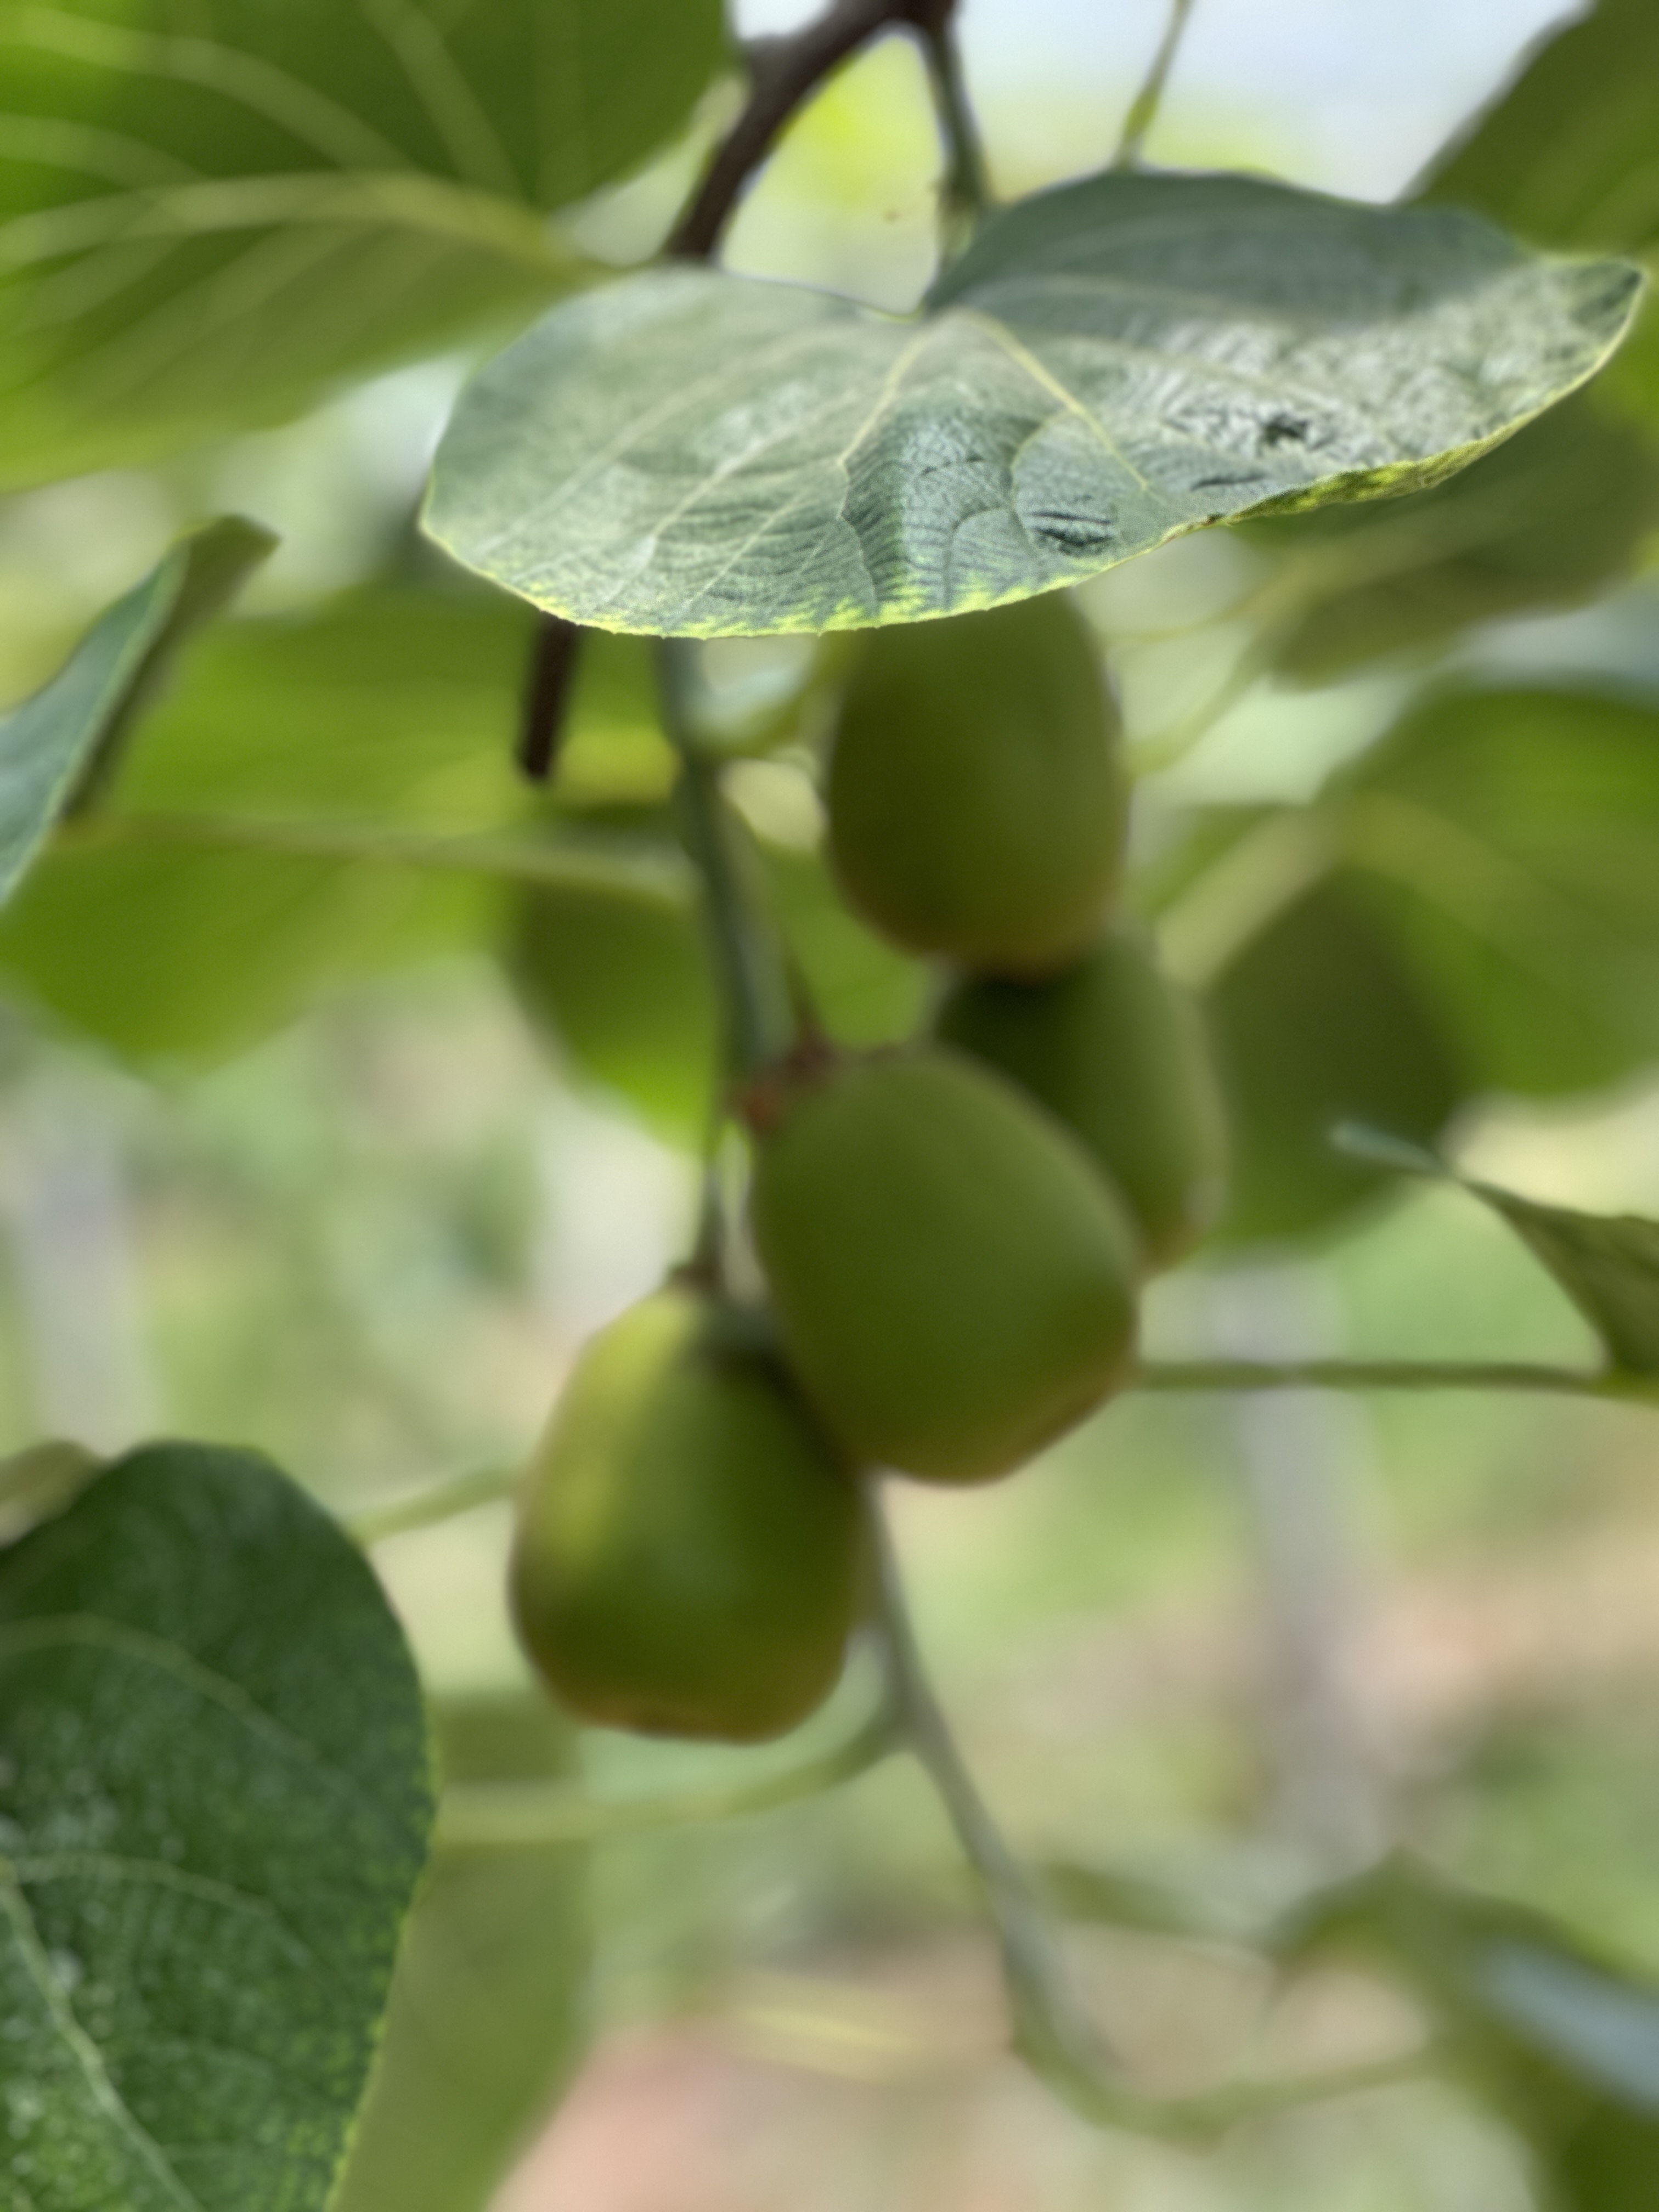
(39,1481)
(1561,2040)
(1317,1023)
(619,980)
(1508,839)
(1109,364)
(1607,1264)
(215,1808)
(390,711)
(486,2015)
(1570,153)
(865,991)
(1546,520)
(49,745)
(205,218)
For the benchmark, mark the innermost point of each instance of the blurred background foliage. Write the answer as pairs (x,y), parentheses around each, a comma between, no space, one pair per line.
(314,1136)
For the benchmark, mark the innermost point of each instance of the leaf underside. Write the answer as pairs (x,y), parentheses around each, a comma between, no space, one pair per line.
(1109,365)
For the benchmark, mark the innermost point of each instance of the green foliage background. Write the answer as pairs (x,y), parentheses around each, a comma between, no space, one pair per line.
(345,1084)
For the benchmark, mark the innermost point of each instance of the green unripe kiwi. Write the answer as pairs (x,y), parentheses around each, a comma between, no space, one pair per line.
(688,1554)
(954,1281)
(1112,1049)
(977,801)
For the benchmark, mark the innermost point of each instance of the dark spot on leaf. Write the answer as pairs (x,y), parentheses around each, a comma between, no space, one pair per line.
(1284,431)
(1077,535)
(1228,484)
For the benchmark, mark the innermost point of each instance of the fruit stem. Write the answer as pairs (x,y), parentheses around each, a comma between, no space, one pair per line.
(749,964)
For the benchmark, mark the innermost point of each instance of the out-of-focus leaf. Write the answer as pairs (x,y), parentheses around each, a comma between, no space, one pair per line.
(486,2017)
(1608,1265)
(39,1480)
(1109,364)
(215,1806)
(203,219)
(52,742)
(391,709)
(1563,2042)
(1510,839)
(1320,1021)
(866,992)
(620,980)
(1569,155)
(1546,520)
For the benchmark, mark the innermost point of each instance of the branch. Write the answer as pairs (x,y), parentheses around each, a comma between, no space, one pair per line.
(1143,109)
(748,962)
(1050,2031)
(784,73)
(1171,1374)
(516,1816)
(660,876)
(554,660)
(441,1501)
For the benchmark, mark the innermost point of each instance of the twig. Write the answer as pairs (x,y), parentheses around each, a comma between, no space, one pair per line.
(1143,108)
(1051,2033)
(748,962)
(784,73)
(1238,1375)
(1049,2026)
(660,877)
(554,661)
(509,1816)
(441,1501)
(965,191)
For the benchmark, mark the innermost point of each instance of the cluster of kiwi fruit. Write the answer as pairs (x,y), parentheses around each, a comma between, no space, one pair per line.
(953,1232)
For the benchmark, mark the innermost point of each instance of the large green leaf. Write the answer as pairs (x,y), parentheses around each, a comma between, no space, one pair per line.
(487,2008)
(1319,1022)
(1548,519)
(381,725)
(215,1806)
(50,744)
(1560,2039)
(205,216)
(1508,839)
(1109,364)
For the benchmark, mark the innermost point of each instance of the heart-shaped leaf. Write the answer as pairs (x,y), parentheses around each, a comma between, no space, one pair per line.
(213,1808)
(50,744)
(1109,364)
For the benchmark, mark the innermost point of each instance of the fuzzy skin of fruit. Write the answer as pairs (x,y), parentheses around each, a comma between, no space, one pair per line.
(977,801)
(1119,1055)
(954,1280)
(688,1548)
